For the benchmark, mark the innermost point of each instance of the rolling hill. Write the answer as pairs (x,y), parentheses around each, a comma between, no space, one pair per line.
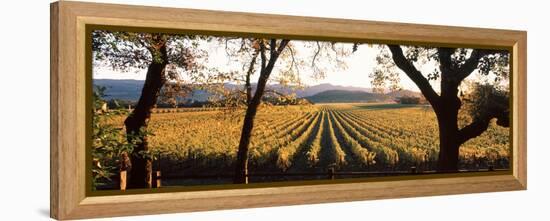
(130,90)
(342,96)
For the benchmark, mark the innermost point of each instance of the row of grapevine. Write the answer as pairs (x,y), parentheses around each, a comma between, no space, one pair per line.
(271,131)
(415,130)
(409,152)
(335,154)
(312,138)
(315,148)
(287,152)
(384,155)
(363,155)
(263,151)
(374,121)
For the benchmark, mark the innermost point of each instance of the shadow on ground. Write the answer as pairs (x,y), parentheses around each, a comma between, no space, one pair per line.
(45,212)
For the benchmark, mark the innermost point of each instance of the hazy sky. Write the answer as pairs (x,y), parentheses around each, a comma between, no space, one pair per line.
(359,65)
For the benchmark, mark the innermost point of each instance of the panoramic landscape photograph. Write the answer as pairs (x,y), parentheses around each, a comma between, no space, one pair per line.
(182,110)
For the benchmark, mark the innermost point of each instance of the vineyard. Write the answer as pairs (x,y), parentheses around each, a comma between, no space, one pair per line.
(348,137)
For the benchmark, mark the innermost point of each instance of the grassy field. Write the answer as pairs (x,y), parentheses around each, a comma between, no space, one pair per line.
(349,137)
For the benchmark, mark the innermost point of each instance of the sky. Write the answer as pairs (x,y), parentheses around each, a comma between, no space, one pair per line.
(359,65)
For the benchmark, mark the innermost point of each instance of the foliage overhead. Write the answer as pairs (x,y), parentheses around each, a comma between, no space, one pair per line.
(492,66)
(297,59)
(129,51)
(485,101)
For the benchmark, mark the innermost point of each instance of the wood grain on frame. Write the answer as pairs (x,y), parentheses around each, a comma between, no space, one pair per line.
(67,154)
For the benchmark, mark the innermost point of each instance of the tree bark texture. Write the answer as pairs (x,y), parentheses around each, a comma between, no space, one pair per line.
(241,167)
(141,173)
(447,104)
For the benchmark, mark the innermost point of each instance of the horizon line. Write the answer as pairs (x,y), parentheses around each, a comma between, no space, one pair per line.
(369,88)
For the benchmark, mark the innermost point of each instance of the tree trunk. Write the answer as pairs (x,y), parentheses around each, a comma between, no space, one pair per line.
(448,142)
(248,86)
(447,119)
(141,173)
(241,167)
(447,104)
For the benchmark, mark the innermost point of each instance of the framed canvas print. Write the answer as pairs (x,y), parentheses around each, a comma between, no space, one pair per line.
(172,110)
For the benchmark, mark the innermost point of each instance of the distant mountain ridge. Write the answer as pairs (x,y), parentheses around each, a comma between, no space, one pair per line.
(121,89)
(343,96)
(315,89)
(130,90)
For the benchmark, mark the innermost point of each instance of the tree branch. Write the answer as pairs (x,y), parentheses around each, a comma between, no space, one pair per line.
(250,71)
(262,55)
(445,64)
(474,129)
(355,47)
(472,62)
(275,52)
(315,55)
(293,61)
(266,69)
(275,92)
(282,46)
(273,47)
(415,75)
(227,49)
(494,106)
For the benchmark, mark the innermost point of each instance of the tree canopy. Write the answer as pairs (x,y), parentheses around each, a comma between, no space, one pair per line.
(452,66)
(490,66)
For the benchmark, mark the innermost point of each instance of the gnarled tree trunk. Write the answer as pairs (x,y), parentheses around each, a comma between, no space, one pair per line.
(447,116)
(136,123)
(447,105)
(241,167)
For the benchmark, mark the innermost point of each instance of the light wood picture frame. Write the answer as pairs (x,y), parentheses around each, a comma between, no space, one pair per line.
(69,198)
